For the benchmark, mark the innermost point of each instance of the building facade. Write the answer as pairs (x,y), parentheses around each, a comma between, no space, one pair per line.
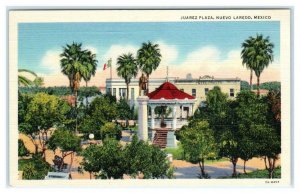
(196,87)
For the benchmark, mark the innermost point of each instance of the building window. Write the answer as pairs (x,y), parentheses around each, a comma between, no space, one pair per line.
(108,91)
(194,92)
(231,94)
(132,93)
(122,92)
(114,91)
(206,91)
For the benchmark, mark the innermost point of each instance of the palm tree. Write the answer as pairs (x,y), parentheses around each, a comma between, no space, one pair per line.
(90,63)
(24,81)
(259,55)
(73,64)
(127,69)
(38,82)
(246,55)
(148,58)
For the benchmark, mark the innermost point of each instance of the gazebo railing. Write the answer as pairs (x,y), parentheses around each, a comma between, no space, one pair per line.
(168,122)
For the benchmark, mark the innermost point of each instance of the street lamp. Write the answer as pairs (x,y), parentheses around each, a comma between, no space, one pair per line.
(91,137)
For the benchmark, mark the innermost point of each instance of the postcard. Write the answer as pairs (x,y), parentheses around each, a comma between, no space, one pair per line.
(166,97)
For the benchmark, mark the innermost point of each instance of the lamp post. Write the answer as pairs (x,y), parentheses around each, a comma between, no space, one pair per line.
(91,137)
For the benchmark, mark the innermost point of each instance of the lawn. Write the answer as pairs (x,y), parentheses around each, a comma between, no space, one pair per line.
(179,155)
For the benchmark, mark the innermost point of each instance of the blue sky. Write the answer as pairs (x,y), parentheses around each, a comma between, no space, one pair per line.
(36,40)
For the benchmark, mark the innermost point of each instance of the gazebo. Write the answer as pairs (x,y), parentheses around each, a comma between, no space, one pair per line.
(181,103)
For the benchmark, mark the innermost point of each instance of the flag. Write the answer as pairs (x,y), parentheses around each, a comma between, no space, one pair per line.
(107,65)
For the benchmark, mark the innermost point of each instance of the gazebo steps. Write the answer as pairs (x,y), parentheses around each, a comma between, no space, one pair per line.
(160,138)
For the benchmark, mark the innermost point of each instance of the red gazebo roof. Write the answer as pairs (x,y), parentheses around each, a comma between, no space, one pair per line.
(168,91)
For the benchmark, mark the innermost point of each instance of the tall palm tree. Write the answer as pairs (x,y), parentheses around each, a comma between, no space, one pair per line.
(260,55)
(24,81)
(127,69)
(246,55)
(90,63)
(148,58)
(74,65)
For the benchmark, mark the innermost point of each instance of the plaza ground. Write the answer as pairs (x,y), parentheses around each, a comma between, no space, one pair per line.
(183,169)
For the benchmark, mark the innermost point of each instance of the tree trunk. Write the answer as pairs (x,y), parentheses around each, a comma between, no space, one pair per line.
(90,175)
(245,166)
(71,163)
(258,91)
(265,160)
(147,89)
(201,165)
(127,92)
(36,146)
(251,76)
(76,111)
(271,167)
(86,97)
(234,161)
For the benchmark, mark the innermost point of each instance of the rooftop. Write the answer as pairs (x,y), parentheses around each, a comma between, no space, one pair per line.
(168,91)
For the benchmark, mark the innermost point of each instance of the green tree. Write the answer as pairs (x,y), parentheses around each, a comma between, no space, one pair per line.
(127,69)
(269,145)
(124,111)
(102,110)
(23,80)
(105,161)
(216,111)
(76,64)
(22,150)
(91,162)
(250,111)
(257,53)
(42,113)
(35,168)
(111,130)
(247,56)
(199,144)
(90,63)
(67,142)
(229,147)
(148,59)
(145,159)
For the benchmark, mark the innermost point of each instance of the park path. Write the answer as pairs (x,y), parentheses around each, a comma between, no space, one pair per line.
(187,170)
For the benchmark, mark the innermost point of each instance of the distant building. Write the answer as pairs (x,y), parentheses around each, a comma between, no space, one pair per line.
(197,87)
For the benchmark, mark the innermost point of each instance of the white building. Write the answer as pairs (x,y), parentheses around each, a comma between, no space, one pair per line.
(197,87)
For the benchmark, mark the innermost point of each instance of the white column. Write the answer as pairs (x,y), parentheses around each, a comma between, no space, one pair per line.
(152,117)
(143,118)
(190,110)
(174,118)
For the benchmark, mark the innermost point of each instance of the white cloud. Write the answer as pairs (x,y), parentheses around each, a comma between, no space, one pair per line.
(206,60)
(51,61)
(169,53)
(94,50)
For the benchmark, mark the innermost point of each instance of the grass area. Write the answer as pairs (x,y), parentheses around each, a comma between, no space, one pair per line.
(178,154)
(258,174)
